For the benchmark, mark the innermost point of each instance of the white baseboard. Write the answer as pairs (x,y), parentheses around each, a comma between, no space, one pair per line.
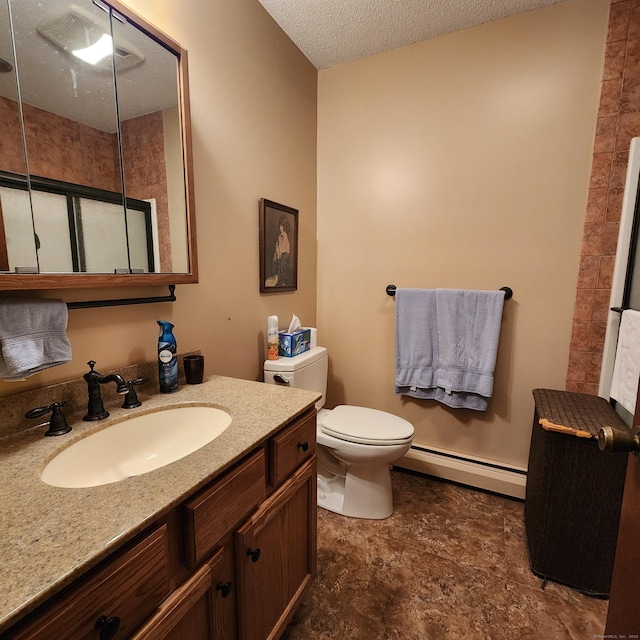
(508,480)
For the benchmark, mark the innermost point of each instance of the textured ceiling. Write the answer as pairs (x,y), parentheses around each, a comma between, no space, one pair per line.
(331,32)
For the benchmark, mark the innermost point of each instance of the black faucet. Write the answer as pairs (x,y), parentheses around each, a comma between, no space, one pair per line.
(95,408)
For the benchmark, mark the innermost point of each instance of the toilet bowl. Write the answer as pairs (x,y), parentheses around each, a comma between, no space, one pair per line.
(356,445)
(354,477)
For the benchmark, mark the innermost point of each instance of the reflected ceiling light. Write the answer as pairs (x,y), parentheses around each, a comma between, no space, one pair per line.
(97,51)
(86,36)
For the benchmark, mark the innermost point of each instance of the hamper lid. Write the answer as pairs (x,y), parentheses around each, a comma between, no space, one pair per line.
(577,414)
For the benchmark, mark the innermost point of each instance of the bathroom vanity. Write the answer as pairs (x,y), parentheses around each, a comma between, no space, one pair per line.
(220,544)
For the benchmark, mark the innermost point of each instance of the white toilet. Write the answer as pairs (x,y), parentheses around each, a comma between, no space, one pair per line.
(356,445)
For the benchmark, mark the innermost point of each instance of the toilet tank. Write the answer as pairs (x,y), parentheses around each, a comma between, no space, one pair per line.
(306,371)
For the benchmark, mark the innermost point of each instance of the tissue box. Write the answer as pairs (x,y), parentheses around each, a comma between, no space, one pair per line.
(293,344)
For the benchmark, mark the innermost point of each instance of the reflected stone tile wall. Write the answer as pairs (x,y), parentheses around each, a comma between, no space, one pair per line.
(59,148)
(618,122)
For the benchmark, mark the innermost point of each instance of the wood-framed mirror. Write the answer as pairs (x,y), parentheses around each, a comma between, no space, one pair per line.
(96,178)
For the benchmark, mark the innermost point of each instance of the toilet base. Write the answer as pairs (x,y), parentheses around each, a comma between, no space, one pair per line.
(363,492)
(331,493)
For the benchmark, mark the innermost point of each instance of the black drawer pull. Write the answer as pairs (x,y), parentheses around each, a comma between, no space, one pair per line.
(108,627)
(254,553)
(224,588)
(303,445)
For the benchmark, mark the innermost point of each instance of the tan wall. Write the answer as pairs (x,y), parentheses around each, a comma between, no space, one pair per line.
(460,162)
(253,109)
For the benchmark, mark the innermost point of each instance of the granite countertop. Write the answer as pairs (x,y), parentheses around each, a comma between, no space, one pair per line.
(49,536)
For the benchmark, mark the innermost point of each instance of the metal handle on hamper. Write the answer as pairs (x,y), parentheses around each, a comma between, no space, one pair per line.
(613,440)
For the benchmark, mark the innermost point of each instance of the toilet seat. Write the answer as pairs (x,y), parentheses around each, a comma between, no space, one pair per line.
(362,425)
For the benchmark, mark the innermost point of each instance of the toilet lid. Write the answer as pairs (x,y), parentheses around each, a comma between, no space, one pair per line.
(366,426)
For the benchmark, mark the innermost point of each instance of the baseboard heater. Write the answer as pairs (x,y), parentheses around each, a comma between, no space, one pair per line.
(508,480)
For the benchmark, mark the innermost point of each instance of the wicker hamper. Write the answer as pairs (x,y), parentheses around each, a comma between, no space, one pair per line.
(574,491)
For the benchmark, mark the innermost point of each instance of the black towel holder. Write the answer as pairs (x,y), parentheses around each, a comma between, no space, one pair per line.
(508,291)
(92,304)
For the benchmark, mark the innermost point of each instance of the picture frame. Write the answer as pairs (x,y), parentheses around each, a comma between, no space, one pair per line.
(278,247)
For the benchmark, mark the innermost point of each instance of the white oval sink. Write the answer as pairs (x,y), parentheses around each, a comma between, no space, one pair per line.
(135,446)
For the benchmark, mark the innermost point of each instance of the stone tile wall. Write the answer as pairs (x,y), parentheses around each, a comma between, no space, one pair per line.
(618,122)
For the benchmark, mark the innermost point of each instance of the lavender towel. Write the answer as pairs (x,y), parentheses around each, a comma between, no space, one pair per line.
(447,344)
(416,341)
(33,336)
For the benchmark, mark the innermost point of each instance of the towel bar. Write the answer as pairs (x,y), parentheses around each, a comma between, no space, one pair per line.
(92,304)
(508,292)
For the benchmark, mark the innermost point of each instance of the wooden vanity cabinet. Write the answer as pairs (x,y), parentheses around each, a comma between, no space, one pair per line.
(290,447)
(274,545)
(110,602)
(225,608)
(217,509)
(192,575)
(189,612)
(276,556)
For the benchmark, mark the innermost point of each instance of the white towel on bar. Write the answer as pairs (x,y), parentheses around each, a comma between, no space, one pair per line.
(33,336)
(626,369)
(447,345)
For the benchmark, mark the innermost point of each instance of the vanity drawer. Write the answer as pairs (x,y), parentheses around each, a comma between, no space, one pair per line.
(130,587)
(291,447)
(217,509)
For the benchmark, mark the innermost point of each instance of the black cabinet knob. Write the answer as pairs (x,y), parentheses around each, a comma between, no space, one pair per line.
(224,588)
(108,627)
(303,445)
(254,554)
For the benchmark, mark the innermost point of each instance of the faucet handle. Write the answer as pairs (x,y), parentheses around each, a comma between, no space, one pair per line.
(131,399)
(57,423)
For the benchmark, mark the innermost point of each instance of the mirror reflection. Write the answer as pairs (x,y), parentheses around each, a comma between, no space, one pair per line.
(152,160)
(15,210)
(97,185)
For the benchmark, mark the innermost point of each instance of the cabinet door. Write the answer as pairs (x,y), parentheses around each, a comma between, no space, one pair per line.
(276,557)
(224,599)
(188,613)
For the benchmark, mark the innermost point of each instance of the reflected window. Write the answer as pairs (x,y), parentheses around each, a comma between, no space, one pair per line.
(75,229)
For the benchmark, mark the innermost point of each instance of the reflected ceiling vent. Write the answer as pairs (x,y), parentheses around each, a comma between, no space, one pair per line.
(77,32)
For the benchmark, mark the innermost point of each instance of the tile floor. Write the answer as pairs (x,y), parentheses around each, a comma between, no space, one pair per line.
(450,563)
